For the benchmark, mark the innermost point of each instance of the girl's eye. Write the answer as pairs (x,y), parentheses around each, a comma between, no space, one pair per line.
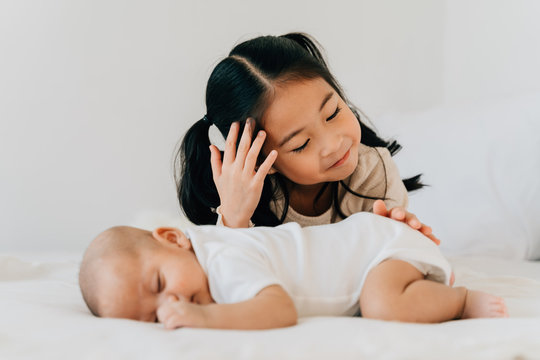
(299,149)
(338,109)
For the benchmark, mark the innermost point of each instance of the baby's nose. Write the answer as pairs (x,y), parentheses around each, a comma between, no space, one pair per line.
(166,298)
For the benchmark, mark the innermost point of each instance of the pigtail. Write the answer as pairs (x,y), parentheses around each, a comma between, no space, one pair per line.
(196,191)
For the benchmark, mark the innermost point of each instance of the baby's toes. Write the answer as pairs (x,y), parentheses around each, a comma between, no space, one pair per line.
(504,309)
(498,307)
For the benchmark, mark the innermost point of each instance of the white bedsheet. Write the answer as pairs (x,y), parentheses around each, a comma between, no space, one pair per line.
(43,316)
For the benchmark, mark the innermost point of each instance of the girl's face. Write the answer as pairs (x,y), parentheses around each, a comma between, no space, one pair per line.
(314,132)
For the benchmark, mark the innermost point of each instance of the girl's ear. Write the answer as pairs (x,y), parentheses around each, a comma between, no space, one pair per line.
(170,235)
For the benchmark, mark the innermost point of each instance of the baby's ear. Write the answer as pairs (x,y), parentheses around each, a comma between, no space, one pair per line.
(170,235)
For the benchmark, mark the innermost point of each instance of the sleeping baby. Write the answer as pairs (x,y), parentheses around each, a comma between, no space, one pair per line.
(267,277)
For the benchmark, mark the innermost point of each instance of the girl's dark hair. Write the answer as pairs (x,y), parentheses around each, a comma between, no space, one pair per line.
(239,87)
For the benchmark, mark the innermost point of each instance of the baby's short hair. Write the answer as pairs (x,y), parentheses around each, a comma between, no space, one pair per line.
(112,244)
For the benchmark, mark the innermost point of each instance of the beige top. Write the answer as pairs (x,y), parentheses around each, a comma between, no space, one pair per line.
(375,176)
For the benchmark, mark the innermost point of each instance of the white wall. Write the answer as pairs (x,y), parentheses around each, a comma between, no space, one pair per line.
(491,49)
(94,95)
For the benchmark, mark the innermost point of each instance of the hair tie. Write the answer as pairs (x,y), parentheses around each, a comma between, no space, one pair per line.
(207,120)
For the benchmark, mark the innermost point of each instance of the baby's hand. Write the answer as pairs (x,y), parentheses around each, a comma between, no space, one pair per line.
(238,180)
(179,313)
(400,214)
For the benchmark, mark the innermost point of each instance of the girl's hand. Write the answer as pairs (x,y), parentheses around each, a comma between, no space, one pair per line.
(176,313)
(238,181)
(400,214)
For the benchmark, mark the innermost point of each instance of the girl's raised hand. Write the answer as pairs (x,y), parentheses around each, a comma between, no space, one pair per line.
(400,214)
(238,181)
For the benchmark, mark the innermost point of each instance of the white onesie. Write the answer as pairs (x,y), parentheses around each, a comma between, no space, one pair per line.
(322,268)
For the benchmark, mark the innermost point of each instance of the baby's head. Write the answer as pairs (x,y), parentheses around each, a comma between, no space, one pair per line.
(129,273)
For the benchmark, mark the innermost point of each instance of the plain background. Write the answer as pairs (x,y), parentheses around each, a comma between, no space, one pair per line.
(95,95)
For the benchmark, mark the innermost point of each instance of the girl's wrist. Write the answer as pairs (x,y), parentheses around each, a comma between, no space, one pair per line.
(236,224)
(232,222)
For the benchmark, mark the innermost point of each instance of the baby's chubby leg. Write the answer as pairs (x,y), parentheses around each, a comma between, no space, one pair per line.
(396,290)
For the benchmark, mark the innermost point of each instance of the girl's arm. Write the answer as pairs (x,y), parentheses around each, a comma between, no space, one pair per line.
(271,308)
(238,180)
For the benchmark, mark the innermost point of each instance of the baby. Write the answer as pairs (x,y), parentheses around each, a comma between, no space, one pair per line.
(261,278)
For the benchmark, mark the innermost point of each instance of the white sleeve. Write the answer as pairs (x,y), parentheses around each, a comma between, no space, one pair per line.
(219,221)
(236,275)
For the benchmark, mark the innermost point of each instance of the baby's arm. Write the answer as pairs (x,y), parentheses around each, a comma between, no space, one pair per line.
(272,307)
(396,290)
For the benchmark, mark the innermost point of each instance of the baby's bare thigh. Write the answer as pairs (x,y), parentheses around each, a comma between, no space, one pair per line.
(389,278)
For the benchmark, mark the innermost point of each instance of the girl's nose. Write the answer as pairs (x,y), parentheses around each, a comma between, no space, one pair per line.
(331,143)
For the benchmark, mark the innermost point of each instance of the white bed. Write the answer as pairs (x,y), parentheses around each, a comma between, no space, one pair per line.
(484,204)
(44,316)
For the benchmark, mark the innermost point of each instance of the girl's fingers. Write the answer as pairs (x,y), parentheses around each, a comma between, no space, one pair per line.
(426,230)
(434,239)
(400,214)
(244,145)
(253,154)
(408,218)
(230,144)
(413,221)
(215,162)
(379,208)
(265,166)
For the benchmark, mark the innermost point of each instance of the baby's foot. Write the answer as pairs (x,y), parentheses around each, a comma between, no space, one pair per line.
(479,304)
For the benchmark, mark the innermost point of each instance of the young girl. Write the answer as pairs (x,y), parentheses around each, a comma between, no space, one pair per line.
(313,160)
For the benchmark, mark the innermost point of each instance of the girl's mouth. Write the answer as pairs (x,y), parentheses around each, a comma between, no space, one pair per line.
(342,160)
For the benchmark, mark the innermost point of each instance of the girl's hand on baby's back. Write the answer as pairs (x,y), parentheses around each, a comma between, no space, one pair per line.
(238,180)
(400,214)
(175,313)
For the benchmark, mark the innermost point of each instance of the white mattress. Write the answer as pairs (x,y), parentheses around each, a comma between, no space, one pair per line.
(43,316)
